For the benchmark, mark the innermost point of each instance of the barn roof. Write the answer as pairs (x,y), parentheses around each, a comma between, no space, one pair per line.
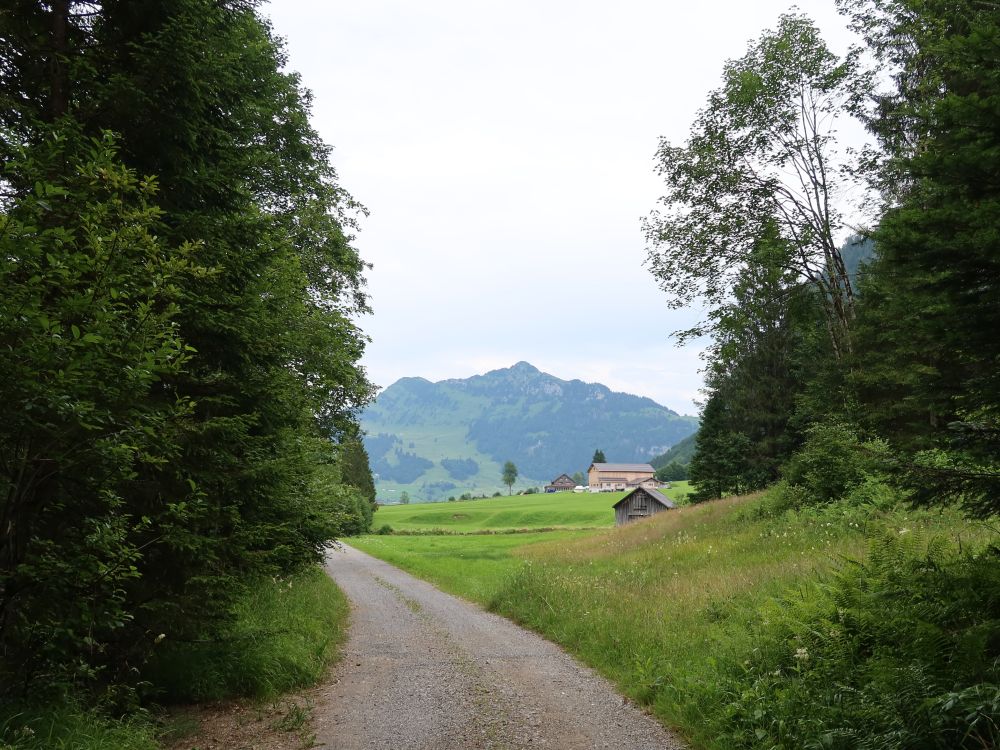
(659,497)
(623,467)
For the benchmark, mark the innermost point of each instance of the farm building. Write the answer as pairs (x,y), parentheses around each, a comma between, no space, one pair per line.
(560,483)
(612,477)
(639,503)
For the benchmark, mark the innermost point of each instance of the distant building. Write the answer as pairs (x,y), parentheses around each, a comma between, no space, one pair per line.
(614,477)
(640,503)
(561,483)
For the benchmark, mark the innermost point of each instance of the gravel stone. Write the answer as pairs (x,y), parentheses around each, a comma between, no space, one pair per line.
(423,670)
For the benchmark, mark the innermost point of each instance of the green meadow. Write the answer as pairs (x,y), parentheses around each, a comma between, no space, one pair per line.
(557,510)
(678,609)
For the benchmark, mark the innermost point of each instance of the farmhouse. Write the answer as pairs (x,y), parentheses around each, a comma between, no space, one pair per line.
(560,483)
(612,477)
(639,503)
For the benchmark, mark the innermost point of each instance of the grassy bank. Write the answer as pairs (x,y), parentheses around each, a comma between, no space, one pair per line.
(285,634)
(685,610)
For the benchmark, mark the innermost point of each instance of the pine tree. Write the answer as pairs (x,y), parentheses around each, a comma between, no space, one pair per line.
(929,365)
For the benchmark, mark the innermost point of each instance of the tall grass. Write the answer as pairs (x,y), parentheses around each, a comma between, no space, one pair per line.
(677,609)
(285,634)
(68,726)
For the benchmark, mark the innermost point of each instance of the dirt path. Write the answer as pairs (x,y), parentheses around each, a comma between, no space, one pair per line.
(424,670)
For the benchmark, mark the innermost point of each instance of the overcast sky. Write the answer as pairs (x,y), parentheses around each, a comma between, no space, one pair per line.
(505,152)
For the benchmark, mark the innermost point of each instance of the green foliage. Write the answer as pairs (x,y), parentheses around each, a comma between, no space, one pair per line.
(405,467)
(833,460)
(284,634)
(753,380)
(761,160)
(927,369)
(175,351)
(509,475)
(901,651)
(672,472)
(354,468)
(87,329)
(598,457)
(460,468)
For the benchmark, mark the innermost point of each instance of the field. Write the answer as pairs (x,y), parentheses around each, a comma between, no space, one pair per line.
(668,608)
(558,510)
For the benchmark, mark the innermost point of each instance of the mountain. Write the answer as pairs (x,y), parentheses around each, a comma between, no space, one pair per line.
(439,439)
(682,453)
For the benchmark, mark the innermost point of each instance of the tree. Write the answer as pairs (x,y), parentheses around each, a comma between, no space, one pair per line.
(87,329)
(757,369)
(405,498)
(928,372)
(509,475)
(598,457)
(761,155)
(578,478)
(267,370)
(672,472)
(356,472)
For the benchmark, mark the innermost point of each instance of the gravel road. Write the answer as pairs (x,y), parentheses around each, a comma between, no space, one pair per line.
(423,670)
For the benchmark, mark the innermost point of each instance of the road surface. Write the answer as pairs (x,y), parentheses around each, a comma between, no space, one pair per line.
(423,670)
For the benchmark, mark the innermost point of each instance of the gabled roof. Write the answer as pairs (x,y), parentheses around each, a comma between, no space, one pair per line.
(563,477)
(623,467)
(659,497)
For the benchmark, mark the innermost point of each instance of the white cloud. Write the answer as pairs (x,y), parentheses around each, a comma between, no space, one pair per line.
(505,151)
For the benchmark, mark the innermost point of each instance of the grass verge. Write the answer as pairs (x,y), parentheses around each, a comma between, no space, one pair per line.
(285,634)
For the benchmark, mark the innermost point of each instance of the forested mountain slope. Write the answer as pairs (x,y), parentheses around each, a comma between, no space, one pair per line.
(440,439)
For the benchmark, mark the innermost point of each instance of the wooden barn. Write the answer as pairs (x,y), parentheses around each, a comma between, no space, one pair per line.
(561,483)
(639,503)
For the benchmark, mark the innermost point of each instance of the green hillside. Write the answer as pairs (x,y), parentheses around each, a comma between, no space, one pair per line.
(682,453)
(435,440)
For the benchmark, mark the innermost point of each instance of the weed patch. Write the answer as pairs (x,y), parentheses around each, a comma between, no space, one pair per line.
(285,634)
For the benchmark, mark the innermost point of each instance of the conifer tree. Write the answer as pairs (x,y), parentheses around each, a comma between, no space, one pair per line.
(196,94)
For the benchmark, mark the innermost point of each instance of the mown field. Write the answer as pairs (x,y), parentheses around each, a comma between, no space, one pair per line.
(565,510)
(680,609)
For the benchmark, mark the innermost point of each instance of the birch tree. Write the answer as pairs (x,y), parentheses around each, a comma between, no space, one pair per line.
(762,151)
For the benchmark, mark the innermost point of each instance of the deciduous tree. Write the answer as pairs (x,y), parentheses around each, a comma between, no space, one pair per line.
(761,154)
(509,475)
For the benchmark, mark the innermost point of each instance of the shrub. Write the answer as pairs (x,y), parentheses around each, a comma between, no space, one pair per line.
(384,529)
(900,651)
(833,460)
